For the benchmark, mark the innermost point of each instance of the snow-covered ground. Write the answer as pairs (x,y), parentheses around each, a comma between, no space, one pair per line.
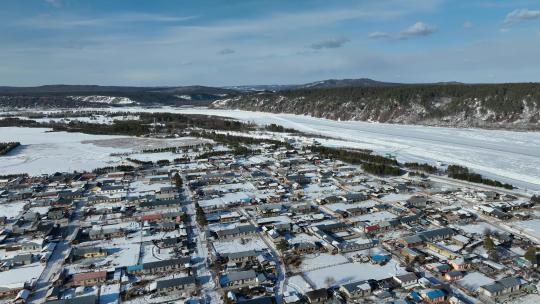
(42,151)
(352,272)
(239,244)
(321,260)
(17,276)
(48,152)
(473,280)
(531,226)
(480,228)
(12,209)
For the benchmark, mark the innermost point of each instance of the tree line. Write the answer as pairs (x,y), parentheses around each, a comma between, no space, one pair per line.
(463,173)
(421,167)
(171,123)
(5,147)
(500,98)
(235,140)
(371,163)
(279,128)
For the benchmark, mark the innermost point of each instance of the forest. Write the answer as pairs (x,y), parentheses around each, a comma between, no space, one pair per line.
(165,122)
(508,106)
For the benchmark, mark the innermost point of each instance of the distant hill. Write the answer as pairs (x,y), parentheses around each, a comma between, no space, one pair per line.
(61,88)
(80,95)
(342,83)
(511,106)
(323,84)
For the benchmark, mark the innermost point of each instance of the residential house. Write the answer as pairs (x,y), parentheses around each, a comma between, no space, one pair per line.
(317,296)
(242,256)
(501,287)
(239,231)
(452,276)
(177,285)
(160,266)
(301,208)
(268,210)
(56,214)
(356,290)
(30,246)
(427,236)
(157,203)
(239,279)
(88,252)
(167,226)
(460,264)
(89,278)
(442,250)
(305,247)
(105,233)
(417,202)
(407,280)
(434,296)
(22,259)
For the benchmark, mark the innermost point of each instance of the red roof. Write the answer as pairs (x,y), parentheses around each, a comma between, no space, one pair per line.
(151,217)
(372,228)
(89,276)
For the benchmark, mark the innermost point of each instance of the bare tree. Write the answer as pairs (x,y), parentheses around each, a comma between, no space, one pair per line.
(329,281)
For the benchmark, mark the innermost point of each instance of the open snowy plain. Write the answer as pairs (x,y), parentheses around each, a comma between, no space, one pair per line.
(45,152)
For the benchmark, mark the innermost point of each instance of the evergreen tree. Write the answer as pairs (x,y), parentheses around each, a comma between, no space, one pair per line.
(530,254)
(489,245)
(177,180)
(283,245)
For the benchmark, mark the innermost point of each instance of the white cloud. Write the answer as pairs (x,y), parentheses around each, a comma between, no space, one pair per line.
(519,15)
(47,21)
(467,24)
(417,29)
(378,35)
(299,21)
(329,44)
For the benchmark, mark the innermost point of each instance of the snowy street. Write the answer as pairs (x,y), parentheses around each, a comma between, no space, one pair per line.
(201,258)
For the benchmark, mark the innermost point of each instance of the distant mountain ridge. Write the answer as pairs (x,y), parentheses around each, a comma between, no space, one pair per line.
(342,83)
(500,106)
(80,95)
(329,83)
(511,106)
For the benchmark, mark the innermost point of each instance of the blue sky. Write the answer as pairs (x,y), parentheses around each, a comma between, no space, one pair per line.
(233,42)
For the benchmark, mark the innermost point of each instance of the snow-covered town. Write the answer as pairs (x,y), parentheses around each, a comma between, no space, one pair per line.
(270,152)
(281,224)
